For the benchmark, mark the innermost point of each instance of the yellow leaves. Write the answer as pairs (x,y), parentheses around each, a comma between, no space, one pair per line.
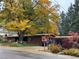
(41,12)
(23,24)
(14,8)
(18,25)
(32,30)
(44,11)
(44,1)
(11,25)
(54,28)
(54,14)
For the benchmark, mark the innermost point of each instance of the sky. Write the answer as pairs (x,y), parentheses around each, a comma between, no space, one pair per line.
(64,4)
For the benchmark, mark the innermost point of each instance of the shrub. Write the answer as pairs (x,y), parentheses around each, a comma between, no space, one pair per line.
(55,48)
(72,51)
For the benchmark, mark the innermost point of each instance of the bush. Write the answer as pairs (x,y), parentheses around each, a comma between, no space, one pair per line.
(55,48)
(72,52)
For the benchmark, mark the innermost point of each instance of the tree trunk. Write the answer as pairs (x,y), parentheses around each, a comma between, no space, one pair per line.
(21,36)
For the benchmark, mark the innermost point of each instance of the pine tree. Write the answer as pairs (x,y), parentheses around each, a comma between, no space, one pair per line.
(67,20)
(75,22)
(71,22)
(62,23)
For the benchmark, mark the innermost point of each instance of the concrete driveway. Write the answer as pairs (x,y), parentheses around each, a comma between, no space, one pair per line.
(13,54)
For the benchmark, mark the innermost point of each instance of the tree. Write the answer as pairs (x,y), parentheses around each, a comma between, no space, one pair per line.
(43,18)
(46,13)
(18,26)
(15,17)
(75,23)
(62,23)
(67,20)
(71,23)
(39,14)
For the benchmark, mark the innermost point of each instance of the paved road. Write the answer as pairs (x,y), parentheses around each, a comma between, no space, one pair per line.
(11,54)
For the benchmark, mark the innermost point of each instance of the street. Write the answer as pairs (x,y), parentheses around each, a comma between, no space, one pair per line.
(12,54)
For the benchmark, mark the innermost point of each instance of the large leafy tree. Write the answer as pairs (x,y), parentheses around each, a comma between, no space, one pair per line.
(39,13)
(43,18)
(15,19)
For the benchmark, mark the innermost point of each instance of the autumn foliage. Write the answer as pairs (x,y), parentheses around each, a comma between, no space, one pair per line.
(42,18)
(44,1)
(18,25)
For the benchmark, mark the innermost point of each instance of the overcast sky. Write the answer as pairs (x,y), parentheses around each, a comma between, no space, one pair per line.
(64,4)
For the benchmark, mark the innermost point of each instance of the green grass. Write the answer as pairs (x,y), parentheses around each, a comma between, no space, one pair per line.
(20,44)
(14,44)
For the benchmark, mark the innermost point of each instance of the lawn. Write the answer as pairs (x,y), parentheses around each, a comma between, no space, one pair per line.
(14,44)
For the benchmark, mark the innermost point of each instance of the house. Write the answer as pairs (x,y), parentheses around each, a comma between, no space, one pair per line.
(32,39)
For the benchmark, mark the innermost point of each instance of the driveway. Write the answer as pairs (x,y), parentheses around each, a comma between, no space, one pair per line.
(12,54)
